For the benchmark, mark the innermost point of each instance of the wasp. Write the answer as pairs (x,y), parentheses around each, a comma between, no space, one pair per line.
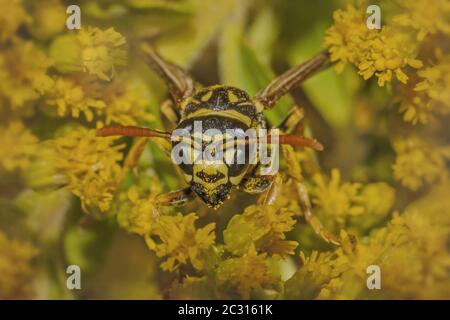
(223,108)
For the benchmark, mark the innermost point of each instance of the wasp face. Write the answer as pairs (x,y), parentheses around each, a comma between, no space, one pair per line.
(210,181)
(209,166)
(207,118)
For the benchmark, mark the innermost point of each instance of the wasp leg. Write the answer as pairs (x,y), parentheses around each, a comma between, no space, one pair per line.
(271,194)
(268,96)
(173,199)
(257,183)
(132,158)
(303,197)
(269,185)
(179,82)
(292,123)
(313,221)
(170,112)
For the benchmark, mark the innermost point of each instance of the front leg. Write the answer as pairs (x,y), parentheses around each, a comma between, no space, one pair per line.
(170,112)
(303,198)
(313,221)
(291,124)
(172,199)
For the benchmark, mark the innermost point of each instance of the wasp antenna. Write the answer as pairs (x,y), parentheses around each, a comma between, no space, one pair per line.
(129,131)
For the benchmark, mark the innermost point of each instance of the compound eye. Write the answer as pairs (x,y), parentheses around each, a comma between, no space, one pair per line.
(237,160)
(229,155)
(240,157)
(236,155)
(183,154)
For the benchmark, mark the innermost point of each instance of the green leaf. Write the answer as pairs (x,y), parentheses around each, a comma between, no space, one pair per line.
(240,66)
(184,44)
(181,7)
(86,247)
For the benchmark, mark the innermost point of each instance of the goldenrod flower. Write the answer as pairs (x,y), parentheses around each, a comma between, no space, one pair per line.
(416,106)
(191,288)
(69,97)
(101,51)
(383,53)
(377,198)
(122,101)
(177,239)
(12,16)
(411,251)
(49,18)
(16,271)
(248,274)
(418,163)
(136,213)
(334,199)
(424,16)
(18,146)
(315,273)
(430,95)
(126,101)
(91,165)
(435,81)
(92,50)
(23,74)
(261,227)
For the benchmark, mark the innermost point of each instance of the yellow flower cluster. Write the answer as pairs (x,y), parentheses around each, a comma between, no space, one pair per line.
(411,251)
(12,16)
(91,166)
(66,95)
(177,239)
(92,50)
(19,146)
(23,74)
(249,274)
(435,82)
(49,18)
(136,213)
(334,198)
(419,162)
(122,100)
(126,101)
(347,202)
(262,228)
(101,51)
(382,53)
(430,95)
(15,268)
(425,17)
(315,275)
